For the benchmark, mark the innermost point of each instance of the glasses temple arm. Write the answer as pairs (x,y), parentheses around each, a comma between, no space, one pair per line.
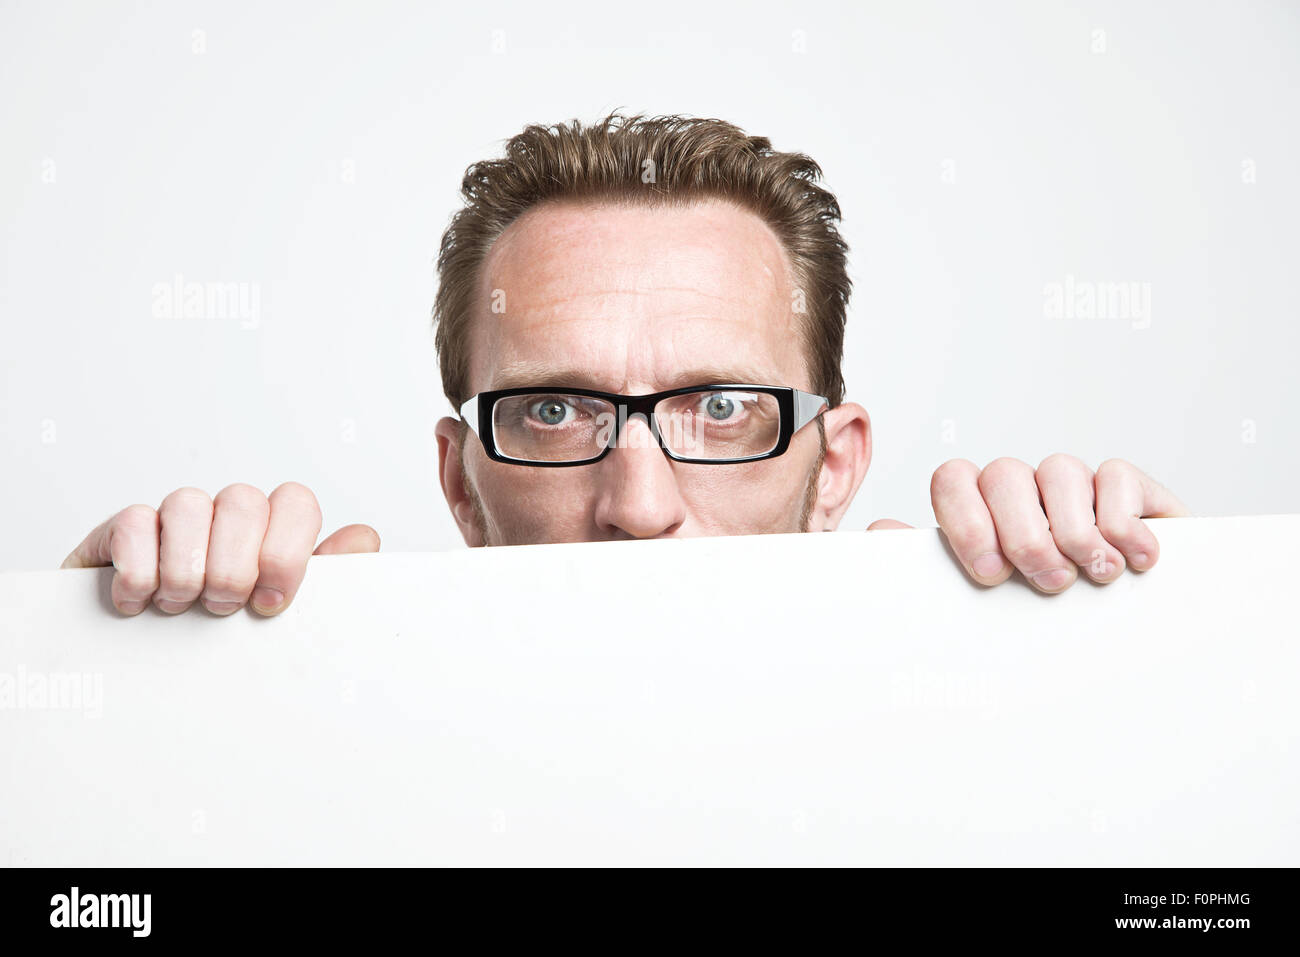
(806,407)
(469,413)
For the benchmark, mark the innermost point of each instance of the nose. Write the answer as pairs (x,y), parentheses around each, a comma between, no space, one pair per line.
(638,496)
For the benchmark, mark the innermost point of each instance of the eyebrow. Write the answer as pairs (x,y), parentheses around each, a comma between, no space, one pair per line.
(526,374)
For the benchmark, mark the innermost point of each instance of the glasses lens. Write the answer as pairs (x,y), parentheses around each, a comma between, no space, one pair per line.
(720,423)
(552,426)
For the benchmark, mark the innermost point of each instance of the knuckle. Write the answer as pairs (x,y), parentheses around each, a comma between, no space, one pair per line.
(1060,461)
(187,497)
(1032,554)
(242,497)
(1114,529)
(965,536)
(279,565)
(1076,542)
(180,587)
(1001,470)
(952,473)
(228,583)
(139,518)
(137,581)
(299,500)
(295,492)
(1114,467)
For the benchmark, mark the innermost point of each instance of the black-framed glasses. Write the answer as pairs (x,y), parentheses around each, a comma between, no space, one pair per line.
(706,424)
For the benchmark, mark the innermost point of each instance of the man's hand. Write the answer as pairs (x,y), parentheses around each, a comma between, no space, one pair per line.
(222,552)
(1048,522)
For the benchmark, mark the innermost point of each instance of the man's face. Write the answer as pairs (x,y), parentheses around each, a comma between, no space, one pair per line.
(634,300)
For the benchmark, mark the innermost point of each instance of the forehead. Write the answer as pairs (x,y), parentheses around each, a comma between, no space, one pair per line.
(632,298)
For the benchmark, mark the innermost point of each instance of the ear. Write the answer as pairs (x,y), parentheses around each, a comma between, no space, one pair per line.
(451,474)
(848,456)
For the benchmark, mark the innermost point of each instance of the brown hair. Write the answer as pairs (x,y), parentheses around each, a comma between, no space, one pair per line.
(661,159)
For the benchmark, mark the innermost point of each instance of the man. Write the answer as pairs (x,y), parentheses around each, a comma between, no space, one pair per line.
(591,266)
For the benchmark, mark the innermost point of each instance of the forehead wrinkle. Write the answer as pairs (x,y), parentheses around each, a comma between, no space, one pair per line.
(742,278)
(582,228)
(549,296)
(562,300)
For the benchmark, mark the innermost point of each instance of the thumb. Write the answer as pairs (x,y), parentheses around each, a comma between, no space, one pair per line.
(349,539)
(883,523)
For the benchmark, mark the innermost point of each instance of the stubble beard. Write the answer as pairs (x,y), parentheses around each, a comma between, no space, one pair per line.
(809,495)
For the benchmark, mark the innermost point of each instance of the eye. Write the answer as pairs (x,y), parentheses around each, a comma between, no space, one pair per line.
(551,411)
(725,406)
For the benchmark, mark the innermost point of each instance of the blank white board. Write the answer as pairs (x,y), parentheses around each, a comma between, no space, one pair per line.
(843,698)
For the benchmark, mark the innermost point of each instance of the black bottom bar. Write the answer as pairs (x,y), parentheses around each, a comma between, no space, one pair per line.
(1222,907)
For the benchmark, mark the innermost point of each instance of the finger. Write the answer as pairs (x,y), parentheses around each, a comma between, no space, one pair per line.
(93,552)
(1126,495)
(240,514)
(129,542)
(282,562)
(966,522)
(185,517)
(1066,486)
(132,548)
(1158,501)
(350,539)
(1011,494)
(883,523)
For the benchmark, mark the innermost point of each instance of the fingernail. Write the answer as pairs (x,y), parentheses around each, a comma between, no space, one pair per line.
(987,565)
(221,607)
(1104,570)
(1139,560)
(130,607)
(267,599)
(1053,579)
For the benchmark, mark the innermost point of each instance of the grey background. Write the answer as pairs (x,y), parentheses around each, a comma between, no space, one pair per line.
(312,153)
